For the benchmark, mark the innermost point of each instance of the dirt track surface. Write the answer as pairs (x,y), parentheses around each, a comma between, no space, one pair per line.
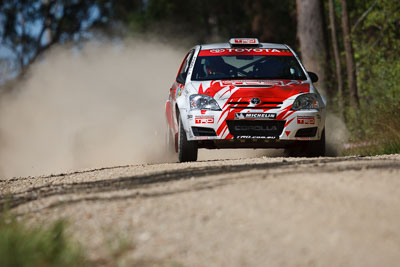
(247,212)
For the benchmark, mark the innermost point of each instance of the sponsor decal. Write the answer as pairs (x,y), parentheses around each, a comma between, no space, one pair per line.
(203,119)
(255,137)
(243,41)
(305,120)
(178,92)
(245,51)
(243,116)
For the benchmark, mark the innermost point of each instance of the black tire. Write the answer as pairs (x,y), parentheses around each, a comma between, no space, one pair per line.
(317,148)
(308,148)
(187,150)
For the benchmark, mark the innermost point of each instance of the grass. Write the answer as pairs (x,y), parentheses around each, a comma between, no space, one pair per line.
(48,245)
(381,148)
(42,246)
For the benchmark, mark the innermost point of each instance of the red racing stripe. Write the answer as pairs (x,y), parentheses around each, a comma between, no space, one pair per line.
(288,122)
(283,113)
(288,114)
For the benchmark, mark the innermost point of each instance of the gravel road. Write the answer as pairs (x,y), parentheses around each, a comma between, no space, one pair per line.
(339,211)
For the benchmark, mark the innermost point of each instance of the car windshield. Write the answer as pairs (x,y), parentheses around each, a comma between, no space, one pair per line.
(228,67)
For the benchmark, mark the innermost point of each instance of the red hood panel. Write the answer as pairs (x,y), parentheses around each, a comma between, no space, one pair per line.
(278,90)
(273,92)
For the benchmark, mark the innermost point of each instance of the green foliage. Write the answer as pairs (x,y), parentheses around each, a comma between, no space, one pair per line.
(376,40)
(36,246)
(377,50)
(208,19)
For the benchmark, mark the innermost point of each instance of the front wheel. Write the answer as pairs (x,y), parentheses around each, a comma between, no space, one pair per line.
(187,150)
(317,148)
(308,148)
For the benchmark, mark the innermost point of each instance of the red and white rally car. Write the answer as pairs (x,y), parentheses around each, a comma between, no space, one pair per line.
(245,94)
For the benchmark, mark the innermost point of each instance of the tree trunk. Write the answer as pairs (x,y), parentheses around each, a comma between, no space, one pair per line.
(350,64)
(337,56)
(312,40)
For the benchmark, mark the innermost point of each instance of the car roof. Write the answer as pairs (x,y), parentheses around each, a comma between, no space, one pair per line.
(227,46)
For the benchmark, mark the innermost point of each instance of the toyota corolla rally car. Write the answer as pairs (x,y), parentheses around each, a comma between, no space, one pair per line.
(245,94)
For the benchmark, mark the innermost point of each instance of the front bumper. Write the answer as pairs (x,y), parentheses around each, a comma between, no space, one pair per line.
(275,129)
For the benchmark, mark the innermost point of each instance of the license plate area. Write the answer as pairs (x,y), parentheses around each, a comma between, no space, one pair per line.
(261,129)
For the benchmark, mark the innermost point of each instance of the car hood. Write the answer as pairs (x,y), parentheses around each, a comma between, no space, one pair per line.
(240,89)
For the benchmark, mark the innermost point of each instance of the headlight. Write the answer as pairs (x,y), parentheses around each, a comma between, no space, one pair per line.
(306,101)
(203,102)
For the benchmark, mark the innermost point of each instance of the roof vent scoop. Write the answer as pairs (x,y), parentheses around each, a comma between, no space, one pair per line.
(248,42)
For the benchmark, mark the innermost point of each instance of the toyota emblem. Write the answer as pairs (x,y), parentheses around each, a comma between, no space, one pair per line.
(255,101)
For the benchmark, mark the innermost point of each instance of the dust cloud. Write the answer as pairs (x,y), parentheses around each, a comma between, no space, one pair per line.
(337,134)
(99,106)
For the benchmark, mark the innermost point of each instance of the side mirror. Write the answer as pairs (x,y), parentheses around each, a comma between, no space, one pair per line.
(180,79)
(313,76)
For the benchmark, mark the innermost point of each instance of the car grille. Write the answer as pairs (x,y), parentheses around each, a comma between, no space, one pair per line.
(263,105)
(255,128)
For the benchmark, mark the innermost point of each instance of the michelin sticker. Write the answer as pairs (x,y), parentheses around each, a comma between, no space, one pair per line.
(263,116)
